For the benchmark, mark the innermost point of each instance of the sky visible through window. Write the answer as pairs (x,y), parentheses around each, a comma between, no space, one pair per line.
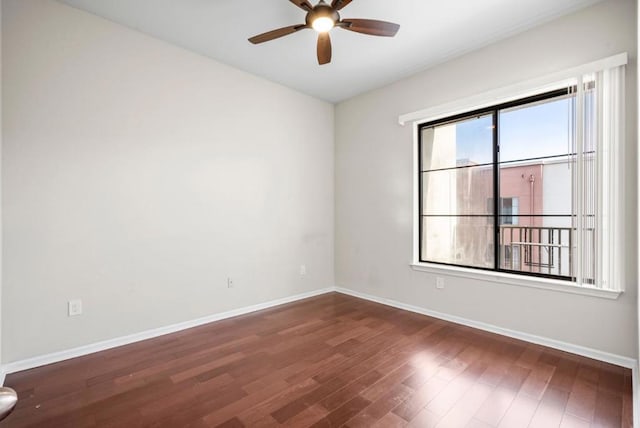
(527,132)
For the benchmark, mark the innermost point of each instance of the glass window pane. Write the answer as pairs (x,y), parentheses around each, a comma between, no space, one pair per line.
(535,130)
(541,187)
(458,191)
(536,168)
(465,241)
(467,142)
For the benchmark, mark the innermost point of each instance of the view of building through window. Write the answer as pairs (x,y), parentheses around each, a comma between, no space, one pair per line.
(528,163)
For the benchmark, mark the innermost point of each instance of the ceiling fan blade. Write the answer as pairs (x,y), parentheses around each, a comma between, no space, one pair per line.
(370,26)
(339,4)
(302,4)
(274,34)
(324,48)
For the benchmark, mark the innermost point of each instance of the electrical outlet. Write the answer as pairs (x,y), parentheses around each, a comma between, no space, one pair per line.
(75,307)
(303,269)
(230,282)
(439,282)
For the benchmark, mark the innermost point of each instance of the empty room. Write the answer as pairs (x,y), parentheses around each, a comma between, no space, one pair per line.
(319,213)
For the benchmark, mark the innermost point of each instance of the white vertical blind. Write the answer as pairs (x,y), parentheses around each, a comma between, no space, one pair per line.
(599,179)
(610,94)
(578,171)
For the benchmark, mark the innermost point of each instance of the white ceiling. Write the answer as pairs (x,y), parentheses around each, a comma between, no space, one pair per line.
(431,32)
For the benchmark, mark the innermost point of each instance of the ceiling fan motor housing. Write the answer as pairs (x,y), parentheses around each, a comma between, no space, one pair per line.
(322,10)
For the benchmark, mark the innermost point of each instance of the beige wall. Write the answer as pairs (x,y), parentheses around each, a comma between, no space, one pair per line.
(636,401)
(137,176)
(374,185)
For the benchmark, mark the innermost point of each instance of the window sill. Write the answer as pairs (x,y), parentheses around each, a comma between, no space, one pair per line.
(511,279)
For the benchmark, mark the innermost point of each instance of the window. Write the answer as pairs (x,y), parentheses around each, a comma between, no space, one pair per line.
(508,208)
(528,187)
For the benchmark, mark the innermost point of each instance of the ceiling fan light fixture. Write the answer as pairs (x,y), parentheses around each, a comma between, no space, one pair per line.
(323,24)
(323,18)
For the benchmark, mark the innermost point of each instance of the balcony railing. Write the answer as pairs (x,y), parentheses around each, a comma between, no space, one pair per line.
(541,250)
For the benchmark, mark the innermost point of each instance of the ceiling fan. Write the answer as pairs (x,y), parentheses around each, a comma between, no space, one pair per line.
(322,18)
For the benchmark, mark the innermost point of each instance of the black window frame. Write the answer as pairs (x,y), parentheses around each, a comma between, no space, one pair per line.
(494,111)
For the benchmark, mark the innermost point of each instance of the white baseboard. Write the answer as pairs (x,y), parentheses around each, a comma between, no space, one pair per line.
(544,341)
(148,334)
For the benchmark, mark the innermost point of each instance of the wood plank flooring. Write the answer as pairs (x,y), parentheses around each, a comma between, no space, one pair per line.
(328,361)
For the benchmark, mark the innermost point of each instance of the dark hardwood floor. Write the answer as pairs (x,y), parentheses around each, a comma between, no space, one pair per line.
(327,361)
